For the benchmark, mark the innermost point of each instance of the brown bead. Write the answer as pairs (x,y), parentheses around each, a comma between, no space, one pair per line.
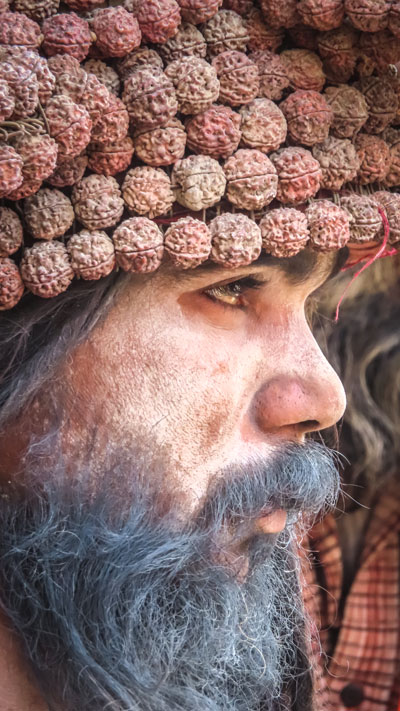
(97,201)
(284,232)
(394,18)
(263,125)
(242,7)
(323,15)
(39,154)
(390,202)
(11,232)
(188,242)
(139,58)
(139,245)
(368,15)
(68,171)
(349,108)
(382,103)
(83,5)
(188,42)
(26,189)
(338,160)
(262,36)
(280,14)
(299,174)
(338,48)
(48,214)
(304,37)
(238,77)
(113,124)
(236,240)
(382,48)
(329,226)
(69,124)
(24,85)
(11,165)
(11,286)
(7,101)
(252,179)
(18,29)
(117,31)
(308,117)
(273,77)
(66,33)
(196,84)
(111,159)
(392,138)
(147,191)
(198,182)
(197,11)
(86,90)
(37,10)
(91,254)
(163,145)
(214,132)
(158,19)
(105,74)
(365,220)
(150,98)
(304,69)
(225,30)
(374,157)
(45,269)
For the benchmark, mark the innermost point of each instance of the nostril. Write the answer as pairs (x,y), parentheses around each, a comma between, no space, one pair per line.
(309,425)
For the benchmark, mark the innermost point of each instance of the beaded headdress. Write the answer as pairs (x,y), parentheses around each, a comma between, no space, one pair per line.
(143,131)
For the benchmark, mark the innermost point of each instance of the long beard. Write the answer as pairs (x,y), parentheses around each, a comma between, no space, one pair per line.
(121,612)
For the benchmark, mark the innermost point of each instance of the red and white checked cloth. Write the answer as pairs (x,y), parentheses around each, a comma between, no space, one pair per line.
(363,672)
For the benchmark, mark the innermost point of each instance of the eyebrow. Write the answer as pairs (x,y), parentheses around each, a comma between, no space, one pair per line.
(297,269)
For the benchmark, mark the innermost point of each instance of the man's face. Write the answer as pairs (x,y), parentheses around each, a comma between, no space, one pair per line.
(205,370)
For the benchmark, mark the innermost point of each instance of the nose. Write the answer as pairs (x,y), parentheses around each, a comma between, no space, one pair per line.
(304,394)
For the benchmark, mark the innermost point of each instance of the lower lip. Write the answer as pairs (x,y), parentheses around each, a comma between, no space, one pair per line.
(274,522)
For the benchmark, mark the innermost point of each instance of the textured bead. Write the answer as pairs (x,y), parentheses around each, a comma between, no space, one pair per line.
(158,19)
(142,57)
(106,74)
(68,171)
(304,69)
(238,77)
(111,159)
(147,191)
(37,10)
(139,245)
(394,18)
(365,220)
(280,14)
(368,15)
(150,98)
(329,226)
(188,42)
(69,124)
(117,31)
(83,5)
(196,84)
(236,240)
(262,36)
(60,64)
(252,180)
(382,103)
(349,108)
(299,174)
(198,182)
(273,77)
(214,132)
(322,14)
(113,124)
(242,7)
(263,125)
(91,254)
(338,160)
(225,30)
(338,48)
(86,90)
(24,190)
(392,138)
(188,242)
(11,286)
(10,232)
(97,201)
(48,214)
(284,232)
(382,48)
(162,146)
(24,85)
(11,165)
(308,117)
(391,205)
(18,29)
(45,269)
(66,34)
(197,11)
(7,101)
(304,37)
(374,157)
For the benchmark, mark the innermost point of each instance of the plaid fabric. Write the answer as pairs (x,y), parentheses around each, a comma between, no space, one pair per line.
(363,670)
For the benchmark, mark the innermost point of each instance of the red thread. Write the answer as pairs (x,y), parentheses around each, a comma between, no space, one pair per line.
(381,253)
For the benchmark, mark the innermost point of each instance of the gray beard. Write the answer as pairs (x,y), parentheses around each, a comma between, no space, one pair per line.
(123,611)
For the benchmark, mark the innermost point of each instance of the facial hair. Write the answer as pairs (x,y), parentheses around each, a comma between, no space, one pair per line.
(121,611)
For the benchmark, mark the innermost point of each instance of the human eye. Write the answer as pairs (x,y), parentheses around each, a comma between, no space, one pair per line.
(232,294)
